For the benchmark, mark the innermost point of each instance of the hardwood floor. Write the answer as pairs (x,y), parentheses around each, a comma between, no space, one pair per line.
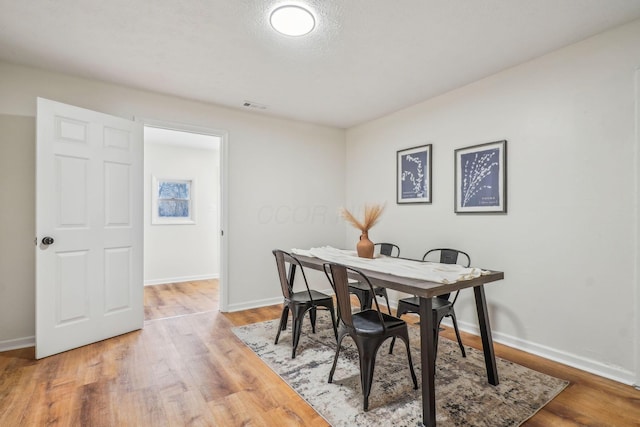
(179,299)
(186,367)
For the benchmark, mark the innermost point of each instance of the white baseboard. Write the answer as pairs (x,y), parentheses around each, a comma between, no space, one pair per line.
(612,372)
(180,279)
(264,302)
(253,304)
(17,343)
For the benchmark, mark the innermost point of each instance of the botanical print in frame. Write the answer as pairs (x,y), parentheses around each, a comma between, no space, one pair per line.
(172,201)
(481,178)
(413,180)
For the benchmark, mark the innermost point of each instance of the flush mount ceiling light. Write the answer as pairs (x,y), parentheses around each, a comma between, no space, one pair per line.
(292,20)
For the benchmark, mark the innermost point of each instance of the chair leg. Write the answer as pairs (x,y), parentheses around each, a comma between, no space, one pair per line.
(455,327)
(312,316)
(383,293)
(362,298)
(283,322)
(334,322)
(298,316)
(335,358)
(367,366)
(365,298)
(436,336)
(402,309)
(368,301)
(386,298)
(411,370)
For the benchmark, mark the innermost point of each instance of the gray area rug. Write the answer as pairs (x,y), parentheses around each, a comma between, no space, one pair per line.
(463,396)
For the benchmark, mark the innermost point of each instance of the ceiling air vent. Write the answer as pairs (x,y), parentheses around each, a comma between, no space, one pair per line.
(254,105)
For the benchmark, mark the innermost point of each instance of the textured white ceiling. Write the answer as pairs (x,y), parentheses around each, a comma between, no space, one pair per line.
(365,59)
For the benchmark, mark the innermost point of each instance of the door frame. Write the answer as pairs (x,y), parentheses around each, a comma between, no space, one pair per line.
(636,275)
(224,182)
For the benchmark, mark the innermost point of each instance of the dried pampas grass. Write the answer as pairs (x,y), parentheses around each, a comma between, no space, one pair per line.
(372,214)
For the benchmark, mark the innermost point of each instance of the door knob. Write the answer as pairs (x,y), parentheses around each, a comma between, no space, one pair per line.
(47,241)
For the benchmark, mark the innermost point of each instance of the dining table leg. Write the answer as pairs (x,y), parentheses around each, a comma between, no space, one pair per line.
(428,363)
(485,334)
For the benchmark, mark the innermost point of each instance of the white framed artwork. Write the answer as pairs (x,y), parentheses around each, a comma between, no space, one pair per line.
(172,201)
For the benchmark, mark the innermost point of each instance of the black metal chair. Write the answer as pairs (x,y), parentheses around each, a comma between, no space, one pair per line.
(299,302)
(368,328)
(362,291)
(388,249)
(442,305)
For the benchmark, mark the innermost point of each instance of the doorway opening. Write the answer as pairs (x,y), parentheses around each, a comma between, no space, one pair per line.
(183,197)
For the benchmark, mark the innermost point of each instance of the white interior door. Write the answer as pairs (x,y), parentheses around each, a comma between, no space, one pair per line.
(89,240)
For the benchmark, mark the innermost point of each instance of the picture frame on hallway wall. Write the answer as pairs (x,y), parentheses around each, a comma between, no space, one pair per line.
(413,178)
(172,201)
(481,178)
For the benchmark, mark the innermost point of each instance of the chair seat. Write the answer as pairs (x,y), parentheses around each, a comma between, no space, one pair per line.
(303,296)
(359,285)
(437,303)
(365,287)
(367,322)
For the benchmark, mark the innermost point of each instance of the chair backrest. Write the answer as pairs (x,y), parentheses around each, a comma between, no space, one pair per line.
(448,256)
(287,276)
(338,276)
(388,249)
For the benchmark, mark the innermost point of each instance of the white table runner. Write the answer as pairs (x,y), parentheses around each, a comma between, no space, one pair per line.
(431,271)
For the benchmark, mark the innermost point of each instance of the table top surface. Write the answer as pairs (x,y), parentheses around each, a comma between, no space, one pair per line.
(421,288)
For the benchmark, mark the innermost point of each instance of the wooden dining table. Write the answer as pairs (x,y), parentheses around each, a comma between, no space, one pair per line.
(426,290)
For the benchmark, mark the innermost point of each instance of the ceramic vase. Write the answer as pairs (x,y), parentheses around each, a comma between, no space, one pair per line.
(365,246)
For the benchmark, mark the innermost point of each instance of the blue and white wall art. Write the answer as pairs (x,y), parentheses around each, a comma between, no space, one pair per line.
(414,175)
(481,178)
(172,201)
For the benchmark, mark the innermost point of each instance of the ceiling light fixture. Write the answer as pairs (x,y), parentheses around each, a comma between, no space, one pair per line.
(292,20)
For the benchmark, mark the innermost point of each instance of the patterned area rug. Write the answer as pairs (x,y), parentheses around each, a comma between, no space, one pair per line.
(463,396)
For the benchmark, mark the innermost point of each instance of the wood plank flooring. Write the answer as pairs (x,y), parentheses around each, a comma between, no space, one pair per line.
(186,367)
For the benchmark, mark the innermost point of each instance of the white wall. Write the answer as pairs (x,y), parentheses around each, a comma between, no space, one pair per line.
(182,252)
(17,230)
(285,184)
(568,243)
